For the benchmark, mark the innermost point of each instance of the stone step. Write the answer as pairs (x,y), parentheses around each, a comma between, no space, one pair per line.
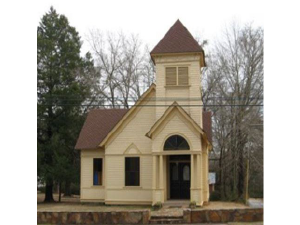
(166,221)
(155,217)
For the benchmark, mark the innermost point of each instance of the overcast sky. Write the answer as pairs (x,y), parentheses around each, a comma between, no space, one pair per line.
(152,19)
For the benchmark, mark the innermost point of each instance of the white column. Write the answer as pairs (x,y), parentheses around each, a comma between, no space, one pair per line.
(192,193)
(154,178)
(161,172)
(200,177)
(161,179)
(205,175)
(192,172)
(154,172)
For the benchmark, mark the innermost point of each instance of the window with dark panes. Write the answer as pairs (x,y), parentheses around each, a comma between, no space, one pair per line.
(132,171)
(176,142)
(97,176)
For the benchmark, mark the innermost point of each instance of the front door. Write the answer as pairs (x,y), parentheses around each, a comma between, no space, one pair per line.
(180,180)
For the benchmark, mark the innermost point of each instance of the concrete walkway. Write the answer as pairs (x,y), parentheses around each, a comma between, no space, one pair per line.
(256,202)
(172,211)
(236,223)
(175,207)
(254,223)
(171,208)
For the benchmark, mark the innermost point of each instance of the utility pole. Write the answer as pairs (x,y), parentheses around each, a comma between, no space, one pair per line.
(247,182)
(246,186)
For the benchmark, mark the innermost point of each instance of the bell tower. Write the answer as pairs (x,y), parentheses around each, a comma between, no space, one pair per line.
(178,59)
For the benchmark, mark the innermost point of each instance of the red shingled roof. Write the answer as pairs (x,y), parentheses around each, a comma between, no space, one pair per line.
(177,40)
(97,125)
(100,122)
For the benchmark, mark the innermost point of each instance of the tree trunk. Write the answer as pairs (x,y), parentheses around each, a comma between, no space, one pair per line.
(246,186)
(67,188)
(222,183)
(241,175)
(49,154)
(241,171)
(59,192)
(49,192)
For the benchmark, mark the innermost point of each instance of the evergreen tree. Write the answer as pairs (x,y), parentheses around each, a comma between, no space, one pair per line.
(62,86)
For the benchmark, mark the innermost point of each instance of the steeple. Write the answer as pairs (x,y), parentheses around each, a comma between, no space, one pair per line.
(178,59)
(177,40)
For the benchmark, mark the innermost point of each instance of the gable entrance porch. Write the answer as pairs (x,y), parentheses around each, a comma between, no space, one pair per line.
(185,183)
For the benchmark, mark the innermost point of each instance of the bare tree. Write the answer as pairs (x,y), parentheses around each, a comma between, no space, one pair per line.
(107,53)
(123,65)
(145,76)
(234,81)
(130,71)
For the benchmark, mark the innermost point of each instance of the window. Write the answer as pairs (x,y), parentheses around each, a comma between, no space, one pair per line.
(183,76)
(176,142)
(171,76)
(97,172)
(186,172)
(177,76)
(132,171)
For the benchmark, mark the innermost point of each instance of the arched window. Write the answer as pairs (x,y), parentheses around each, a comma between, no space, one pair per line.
(176,142)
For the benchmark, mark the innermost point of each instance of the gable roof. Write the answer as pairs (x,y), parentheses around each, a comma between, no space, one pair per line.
(177,40)
(206,117)
(100,123)
(128,114)
(97,125)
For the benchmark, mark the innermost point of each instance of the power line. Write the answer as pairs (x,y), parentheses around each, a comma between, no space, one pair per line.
(149,99)
(122,105)
(74,100)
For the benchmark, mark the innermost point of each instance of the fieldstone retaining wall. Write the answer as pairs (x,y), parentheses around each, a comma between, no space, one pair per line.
(223,215)
(124,217)
(143,216)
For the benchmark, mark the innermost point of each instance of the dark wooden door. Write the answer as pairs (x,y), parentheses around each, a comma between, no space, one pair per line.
(180,180)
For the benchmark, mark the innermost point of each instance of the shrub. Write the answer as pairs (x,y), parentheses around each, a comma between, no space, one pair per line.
(215,196)
(157,206)
(193,205)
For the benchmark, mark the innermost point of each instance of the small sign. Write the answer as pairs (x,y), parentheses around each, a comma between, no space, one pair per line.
(212,178)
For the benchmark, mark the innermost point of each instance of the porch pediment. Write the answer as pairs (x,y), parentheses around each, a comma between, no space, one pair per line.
(174,110)
(132,150)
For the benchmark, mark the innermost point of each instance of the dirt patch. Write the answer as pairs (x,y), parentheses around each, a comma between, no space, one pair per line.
(78,207)
(74,198)
(223,205)
(73,204)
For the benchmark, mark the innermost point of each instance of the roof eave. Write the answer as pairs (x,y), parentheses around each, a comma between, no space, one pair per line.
(202,59)
(89,148)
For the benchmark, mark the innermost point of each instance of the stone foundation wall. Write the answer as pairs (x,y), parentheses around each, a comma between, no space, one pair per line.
(223,216)
(143,216)
(124,217)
